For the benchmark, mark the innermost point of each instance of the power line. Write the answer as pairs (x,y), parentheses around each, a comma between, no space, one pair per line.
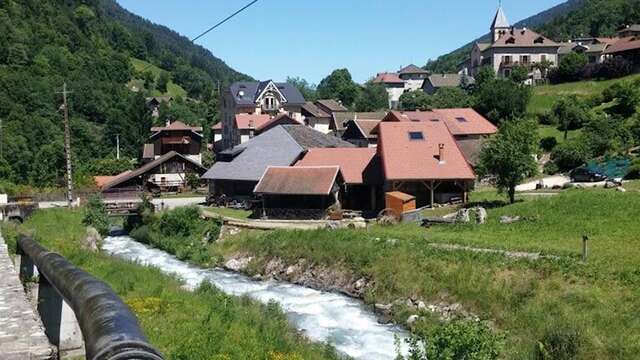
(225,20)
(214,26)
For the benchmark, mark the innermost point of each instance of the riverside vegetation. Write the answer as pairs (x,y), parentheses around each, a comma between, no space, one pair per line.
(205,324)
(544,309)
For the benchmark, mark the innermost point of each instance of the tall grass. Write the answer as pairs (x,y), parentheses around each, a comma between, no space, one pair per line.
(203,325)
(541,305)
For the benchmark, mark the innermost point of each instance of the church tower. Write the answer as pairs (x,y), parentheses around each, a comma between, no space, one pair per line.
(500,25)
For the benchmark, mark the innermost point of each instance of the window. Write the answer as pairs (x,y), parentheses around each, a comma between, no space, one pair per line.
(461,119)
(506,59)
(543,58)
(511,40)
(539,40)
(525,59)
(269,103)
(435,120)
(416,135)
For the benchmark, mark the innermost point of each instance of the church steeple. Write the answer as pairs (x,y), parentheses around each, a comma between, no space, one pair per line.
(500,25)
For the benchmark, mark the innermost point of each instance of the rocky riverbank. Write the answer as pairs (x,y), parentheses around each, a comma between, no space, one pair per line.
(341,280)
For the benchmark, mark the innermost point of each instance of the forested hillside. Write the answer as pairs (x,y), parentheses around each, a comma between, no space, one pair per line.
(570,19)
(92,46)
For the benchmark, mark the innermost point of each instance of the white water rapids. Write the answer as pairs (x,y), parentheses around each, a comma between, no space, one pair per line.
(339,320)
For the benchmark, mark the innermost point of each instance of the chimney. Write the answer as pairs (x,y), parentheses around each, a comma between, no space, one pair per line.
(168,122)
(441,159)
(251,124)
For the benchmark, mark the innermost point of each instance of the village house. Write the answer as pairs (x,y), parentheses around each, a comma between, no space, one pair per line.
(360,132)
(248,126)
(394,85)
(256,98)
(168,172)
(302,192)
(421,158)
(467,127)
(628,45)
(175,136)
(593,48)
(340,120)
(435,82)
(318,114)
(511,47)
(360,168)
(239,169)
(413,77)
(153,103)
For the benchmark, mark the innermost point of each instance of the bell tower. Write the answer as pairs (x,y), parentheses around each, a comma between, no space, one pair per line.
(500,25)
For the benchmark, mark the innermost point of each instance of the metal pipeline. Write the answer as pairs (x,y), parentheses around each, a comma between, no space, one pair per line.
(109,328)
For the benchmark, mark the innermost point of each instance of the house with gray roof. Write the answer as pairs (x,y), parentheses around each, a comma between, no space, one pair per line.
(256,98)
(240,168)
(435,82)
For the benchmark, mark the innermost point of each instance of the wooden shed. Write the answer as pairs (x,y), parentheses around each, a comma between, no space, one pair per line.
(400,202)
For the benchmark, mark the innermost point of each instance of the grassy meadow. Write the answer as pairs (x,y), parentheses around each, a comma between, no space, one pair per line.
(173,89)
(545,96)
(204,325)
(578,310)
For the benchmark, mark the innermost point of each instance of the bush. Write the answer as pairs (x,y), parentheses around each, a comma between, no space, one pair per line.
(560,342)
(615,68)
(570,154)
(96,215)
(634,170)
(458,340)
(550,168)
(548,143)
(547,118)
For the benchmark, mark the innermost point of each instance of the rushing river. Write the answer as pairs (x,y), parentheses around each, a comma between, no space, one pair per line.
(337,319)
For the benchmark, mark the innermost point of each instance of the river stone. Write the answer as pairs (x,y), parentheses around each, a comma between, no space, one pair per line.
(463,216)
(412,319)
(481,215)
(621,189)
(93,239)
(360,284)
(610,185)
(422,306)
(382,308)
(238,264)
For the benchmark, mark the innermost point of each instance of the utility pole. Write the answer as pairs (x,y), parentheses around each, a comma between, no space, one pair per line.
(118,147)
(1,141)
(67,144)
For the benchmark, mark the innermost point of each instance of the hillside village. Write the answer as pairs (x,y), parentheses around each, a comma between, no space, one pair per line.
(484,212)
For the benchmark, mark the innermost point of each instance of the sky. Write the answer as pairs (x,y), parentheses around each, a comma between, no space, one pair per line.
(275,39)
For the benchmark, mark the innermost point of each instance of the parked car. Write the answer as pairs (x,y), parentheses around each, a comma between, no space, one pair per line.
(583,174)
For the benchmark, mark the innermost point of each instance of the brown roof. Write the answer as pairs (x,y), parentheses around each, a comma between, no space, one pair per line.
(445,80)
(410,150)
(463,121)
(471,149)
(353,162)
(401,196)
(176,126)
(103,180)
(624,44)
(367,126)
(413,69)
(523,38)
(217,126)
(251,121)
(126,176)
(331,105)
(310,180)
(388,78)
(314,110)
(341,118)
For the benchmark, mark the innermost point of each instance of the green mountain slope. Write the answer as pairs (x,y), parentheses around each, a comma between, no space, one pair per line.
(570,19)
(89,44)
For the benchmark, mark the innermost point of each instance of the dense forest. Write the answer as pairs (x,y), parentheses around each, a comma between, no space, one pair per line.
(91,45)
(562,22)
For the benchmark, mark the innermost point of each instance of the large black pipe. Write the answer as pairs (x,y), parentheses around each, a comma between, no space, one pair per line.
(109,328)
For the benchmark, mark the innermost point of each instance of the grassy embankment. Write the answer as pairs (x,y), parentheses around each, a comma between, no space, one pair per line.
(584,311)
(205,324)
(174,90)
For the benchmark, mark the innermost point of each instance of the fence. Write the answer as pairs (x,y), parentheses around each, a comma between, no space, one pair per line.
(78,309)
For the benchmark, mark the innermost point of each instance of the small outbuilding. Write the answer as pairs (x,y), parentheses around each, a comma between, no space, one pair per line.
(302,192)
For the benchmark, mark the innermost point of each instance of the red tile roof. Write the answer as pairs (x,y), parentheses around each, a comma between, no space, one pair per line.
(259,122)
(407,159)
(388,78)
(624,44)
(464,121)
(352,161)
(176,126)
(523,37)
(316,180)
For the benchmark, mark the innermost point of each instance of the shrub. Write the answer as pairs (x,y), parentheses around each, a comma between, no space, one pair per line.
(570,154)
(559,342)
(548,143)
(634,170)
(614,68)
(550,168)
(458,339)
(96,215)
(547,118)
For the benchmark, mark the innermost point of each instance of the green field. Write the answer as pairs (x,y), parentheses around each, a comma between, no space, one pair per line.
(552,131)
(201,325)
(173,89)
(545,96)
(589,311)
